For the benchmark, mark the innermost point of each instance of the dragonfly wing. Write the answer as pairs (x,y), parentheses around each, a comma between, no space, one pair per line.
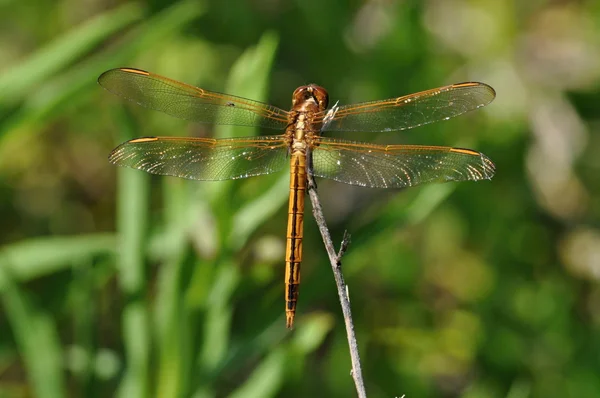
(411,110)
(203,158)
(396,166)
(188,102)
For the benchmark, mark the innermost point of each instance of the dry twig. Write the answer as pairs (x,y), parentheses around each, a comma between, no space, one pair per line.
(336,265)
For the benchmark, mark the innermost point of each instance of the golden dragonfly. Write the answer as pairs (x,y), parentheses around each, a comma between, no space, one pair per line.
(350,162)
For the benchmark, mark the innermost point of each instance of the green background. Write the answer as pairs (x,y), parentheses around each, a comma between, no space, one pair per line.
(117,283)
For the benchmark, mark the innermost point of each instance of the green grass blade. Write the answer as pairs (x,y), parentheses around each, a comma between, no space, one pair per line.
(170,325)
(218,325)
(133,189)
(267,378)
(270,374)
(16,82)
(398,212)
(34,258)
(255,213)
(37,339)
(58,91)
(249,77)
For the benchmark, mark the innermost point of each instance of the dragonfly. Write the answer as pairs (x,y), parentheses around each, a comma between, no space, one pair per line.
(350,162)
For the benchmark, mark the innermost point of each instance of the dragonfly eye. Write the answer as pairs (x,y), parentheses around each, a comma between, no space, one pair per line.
(299,95)
(321,95)
(314,92)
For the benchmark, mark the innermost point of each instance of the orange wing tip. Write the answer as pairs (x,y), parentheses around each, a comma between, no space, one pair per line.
(468,84)
(475,84)
(143,139)
(136,71)
(465,151)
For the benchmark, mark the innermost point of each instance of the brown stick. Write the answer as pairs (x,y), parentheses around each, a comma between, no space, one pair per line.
(336,265)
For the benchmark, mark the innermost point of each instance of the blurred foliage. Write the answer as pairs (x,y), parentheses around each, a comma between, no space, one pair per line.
(116,283)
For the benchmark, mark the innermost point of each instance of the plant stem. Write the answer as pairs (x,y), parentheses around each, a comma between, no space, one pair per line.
(336,266)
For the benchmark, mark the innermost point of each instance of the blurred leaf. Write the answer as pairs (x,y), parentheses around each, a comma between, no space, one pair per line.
(256,212)
(37,339)
(217,328)
(429,198)
(45,101)
(249,77)
(266,379)
(38,257)
(269,375)
(133,188)
(398,212)
(132,224)
(172,328)
(136,338)
(57,55)
(313,332)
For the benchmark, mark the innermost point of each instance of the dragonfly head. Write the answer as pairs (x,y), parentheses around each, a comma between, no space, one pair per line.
(311,93)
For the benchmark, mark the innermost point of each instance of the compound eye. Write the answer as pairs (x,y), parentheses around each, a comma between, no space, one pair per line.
(300,94)
(321,95)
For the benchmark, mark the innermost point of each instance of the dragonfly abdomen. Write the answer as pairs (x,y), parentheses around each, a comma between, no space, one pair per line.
(293,251)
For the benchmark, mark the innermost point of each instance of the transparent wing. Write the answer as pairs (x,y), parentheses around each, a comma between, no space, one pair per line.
(188,102)
(203,158)
(396,166)
(411,110)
